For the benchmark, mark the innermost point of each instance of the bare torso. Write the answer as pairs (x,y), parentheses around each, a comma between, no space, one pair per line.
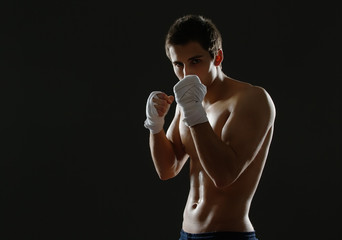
(209,208)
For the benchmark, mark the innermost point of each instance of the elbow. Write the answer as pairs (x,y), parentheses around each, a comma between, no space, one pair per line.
(220,185)
(227,177)
(223,183)
(167,172)
(225,180)
(165,176)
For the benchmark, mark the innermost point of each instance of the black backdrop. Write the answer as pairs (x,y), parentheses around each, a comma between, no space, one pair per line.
(75,76)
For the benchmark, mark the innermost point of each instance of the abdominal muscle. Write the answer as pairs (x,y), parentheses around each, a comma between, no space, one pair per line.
(209,209)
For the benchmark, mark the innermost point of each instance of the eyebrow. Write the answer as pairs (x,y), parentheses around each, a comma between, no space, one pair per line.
(194,57)
(190,59)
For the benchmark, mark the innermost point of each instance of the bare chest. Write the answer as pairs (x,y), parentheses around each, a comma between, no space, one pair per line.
(217,114)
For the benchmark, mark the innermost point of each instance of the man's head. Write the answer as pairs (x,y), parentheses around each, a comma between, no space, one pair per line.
(194,28)
(194,46)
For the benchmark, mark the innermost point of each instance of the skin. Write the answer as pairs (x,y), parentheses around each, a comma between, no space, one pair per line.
(227,154)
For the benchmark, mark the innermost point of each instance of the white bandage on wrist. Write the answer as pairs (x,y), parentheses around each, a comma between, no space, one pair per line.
(189,94)
(153,121)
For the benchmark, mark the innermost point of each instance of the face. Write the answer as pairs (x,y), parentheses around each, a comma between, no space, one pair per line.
(192,59)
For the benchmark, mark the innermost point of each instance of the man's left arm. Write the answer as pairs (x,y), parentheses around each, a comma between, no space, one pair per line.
(225,158)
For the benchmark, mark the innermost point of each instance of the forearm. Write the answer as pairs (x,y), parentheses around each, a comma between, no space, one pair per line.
(217,157)
(163,155)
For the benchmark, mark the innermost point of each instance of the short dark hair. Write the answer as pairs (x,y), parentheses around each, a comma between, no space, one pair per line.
(194,28)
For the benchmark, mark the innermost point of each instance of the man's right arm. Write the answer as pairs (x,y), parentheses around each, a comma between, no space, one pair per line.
(167,151)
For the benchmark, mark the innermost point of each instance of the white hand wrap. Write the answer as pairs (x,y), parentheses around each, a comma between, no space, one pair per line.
(189,94)
(153,121)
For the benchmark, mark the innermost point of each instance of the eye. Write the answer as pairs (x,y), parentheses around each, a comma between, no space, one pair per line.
(195,61)
(177,64)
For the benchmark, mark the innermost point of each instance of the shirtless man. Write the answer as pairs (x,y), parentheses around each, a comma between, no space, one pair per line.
(223,126)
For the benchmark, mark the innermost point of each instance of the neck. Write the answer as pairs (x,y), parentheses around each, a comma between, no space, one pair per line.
(214,89)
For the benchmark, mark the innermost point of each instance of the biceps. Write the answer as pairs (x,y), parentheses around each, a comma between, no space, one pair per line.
(245,136)
(249,123)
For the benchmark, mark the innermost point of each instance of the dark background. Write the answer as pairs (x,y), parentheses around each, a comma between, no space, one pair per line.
(75,76)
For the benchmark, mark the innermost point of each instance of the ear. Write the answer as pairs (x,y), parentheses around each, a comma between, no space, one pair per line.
(218,58)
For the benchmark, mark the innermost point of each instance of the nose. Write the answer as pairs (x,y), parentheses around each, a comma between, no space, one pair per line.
(187,71)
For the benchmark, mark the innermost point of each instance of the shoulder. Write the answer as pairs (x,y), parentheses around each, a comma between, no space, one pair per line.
(255,93)
(255,100)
